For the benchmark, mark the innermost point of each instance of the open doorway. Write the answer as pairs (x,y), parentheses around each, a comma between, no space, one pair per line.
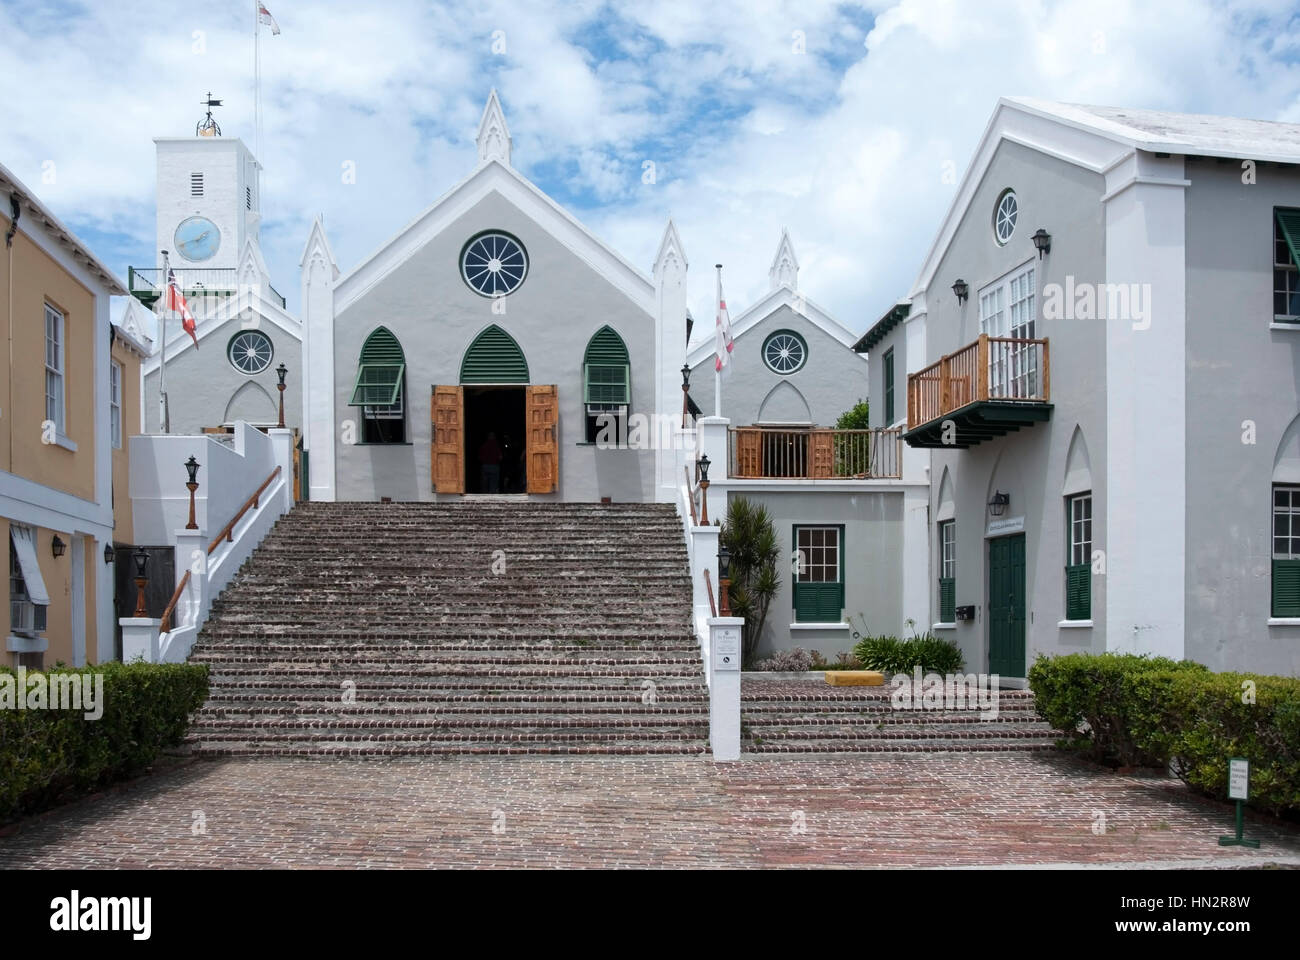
(494,431)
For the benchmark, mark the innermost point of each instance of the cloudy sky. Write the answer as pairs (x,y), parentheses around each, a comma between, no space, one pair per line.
(838,121)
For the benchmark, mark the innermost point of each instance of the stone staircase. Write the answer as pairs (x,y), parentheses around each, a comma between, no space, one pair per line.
(807,716)
(457,628)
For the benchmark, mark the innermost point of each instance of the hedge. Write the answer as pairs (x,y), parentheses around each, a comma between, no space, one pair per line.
(1137,711)
(892,655)
(45,753)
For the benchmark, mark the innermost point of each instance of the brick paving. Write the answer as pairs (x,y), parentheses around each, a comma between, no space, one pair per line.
(937,810)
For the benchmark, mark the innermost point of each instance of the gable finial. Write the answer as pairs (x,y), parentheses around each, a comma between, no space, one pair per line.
(493,134)
(785,265)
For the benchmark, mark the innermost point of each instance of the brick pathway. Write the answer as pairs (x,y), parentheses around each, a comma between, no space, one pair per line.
(925,809)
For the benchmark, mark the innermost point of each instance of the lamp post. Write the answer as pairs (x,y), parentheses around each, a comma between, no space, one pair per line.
(192,468)
(686,386)
(280,371)
(141,558)
(1042,242)
(724,579)
(703,464)
(962,289)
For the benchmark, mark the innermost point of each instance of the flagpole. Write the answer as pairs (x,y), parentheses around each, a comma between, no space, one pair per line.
(257,81)
(717,374)
(164,418)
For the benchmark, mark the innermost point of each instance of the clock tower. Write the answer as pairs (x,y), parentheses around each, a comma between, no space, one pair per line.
(208,199)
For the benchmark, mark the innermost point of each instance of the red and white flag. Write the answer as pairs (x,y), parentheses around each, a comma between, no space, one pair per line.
(175,300)
(722,335)
(264,16)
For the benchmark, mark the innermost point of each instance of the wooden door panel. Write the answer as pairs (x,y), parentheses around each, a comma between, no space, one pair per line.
(542,454)
(448,439)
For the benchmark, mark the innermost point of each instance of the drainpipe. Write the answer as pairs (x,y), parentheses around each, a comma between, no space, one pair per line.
(15,211)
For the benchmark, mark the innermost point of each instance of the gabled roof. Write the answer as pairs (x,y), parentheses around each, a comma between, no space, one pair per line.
(490,177)
(880,329)
(178,341)
(10,184)
(774,300)
(130,329)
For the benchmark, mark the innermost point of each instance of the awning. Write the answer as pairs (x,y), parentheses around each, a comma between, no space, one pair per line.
(25,547)
(1289,222)
(378,385)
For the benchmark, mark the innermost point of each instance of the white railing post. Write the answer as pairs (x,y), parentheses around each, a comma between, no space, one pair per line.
(282,445)
(191,553)
(139,639)
(724,687)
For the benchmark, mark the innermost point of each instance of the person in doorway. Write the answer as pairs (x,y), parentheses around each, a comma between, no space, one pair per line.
(509,460)
(489,458)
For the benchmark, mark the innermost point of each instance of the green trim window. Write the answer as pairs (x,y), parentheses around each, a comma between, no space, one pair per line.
(606,385)
(1286,266)
(887,361)
(947,571)
(1078,572)
(379,389)
(1286,551)
(819,574)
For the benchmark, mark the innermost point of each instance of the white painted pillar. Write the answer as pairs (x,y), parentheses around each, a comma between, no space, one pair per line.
(191,554)
(916,559)
(139,639)
(282,444)
(724,687)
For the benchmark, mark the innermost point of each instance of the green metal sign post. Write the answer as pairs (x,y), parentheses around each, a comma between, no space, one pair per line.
(1238,783)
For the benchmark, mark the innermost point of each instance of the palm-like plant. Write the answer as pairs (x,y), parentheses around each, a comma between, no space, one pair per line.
(755,553)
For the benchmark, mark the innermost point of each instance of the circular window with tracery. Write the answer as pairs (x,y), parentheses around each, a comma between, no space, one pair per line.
(785,352)
(494,264)
(1004,216)
(250,351)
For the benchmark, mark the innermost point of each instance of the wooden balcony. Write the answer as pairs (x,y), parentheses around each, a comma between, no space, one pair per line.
(814,453)
(987,389)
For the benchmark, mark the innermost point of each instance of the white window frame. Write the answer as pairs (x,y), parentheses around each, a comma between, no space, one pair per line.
(1009,308)
(115,374)
(947,549)
(1292,512)
(830,559)
(1290,275)
(1079,519)
(55,363)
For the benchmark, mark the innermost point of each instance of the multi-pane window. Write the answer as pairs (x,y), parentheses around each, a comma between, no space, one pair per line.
(819,574)
(1008,313)
(947,571)
(115,404)
(887,362)
(1078,571)
(1286,551)
(1286,271)
(54,358)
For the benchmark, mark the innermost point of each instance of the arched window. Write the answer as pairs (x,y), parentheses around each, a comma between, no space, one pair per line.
(380,389)
(494,357)
(607,387)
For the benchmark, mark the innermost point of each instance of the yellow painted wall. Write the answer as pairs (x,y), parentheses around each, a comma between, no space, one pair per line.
(33,280)
(122,520)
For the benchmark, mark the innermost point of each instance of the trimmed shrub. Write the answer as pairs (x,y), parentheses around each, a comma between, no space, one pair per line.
(46,753)
(797,659)
(892,655)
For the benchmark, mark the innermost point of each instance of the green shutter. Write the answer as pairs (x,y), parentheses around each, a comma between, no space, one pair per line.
(818,602)
(889,387)
(606,347)
(1286,588)
(947,599)
(1078,591)
(1289,222)
(494,357)
(379,372)
(607,384)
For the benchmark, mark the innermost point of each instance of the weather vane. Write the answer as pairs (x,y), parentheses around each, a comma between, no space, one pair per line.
(208,127)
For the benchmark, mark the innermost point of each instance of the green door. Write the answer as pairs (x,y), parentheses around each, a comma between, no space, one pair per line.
(1007,606)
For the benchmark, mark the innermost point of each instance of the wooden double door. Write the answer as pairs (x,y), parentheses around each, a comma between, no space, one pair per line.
(541,441)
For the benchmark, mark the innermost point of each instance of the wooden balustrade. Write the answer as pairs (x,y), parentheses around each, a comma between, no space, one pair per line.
(227,533)
(690,495)
(708,583)
(1012,369)
(815,453)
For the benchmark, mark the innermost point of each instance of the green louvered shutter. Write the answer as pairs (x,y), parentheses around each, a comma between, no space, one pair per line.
(1078,591)
(494,357)
(947,599)
(1286,588)
(379,372)
(1289,222)
(818,602)
(606,370)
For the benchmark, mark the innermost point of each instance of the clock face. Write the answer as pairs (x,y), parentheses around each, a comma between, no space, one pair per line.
(197,239)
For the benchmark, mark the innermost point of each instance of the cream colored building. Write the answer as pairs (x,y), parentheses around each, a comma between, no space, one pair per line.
(69,398)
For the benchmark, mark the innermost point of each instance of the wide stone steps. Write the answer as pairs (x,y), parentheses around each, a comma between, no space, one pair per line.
(374,630)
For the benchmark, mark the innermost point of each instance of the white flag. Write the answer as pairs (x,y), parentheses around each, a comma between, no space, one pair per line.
(722,337)
(264,16)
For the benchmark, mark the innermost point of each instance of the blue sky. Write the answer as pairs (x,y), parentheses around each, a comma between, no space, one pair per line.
(837,121)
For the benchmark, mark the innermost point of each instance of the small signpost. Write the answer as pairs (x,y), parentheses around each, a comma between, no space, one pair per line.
(1238,782)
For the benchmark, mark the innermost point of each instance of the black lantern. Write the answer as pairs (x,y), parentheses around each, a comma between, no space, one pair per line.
(109,553)
(141,558)
(686,377)
(724,562)
(962,289)
(192,467)
(1042,242)
(280,372)
(998,505)
(703,464)
(58,546)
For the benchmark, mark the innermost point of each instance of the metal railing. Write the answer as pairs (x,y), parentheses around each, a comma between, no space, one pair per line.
(815,453)
(992,368)
(203,287)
